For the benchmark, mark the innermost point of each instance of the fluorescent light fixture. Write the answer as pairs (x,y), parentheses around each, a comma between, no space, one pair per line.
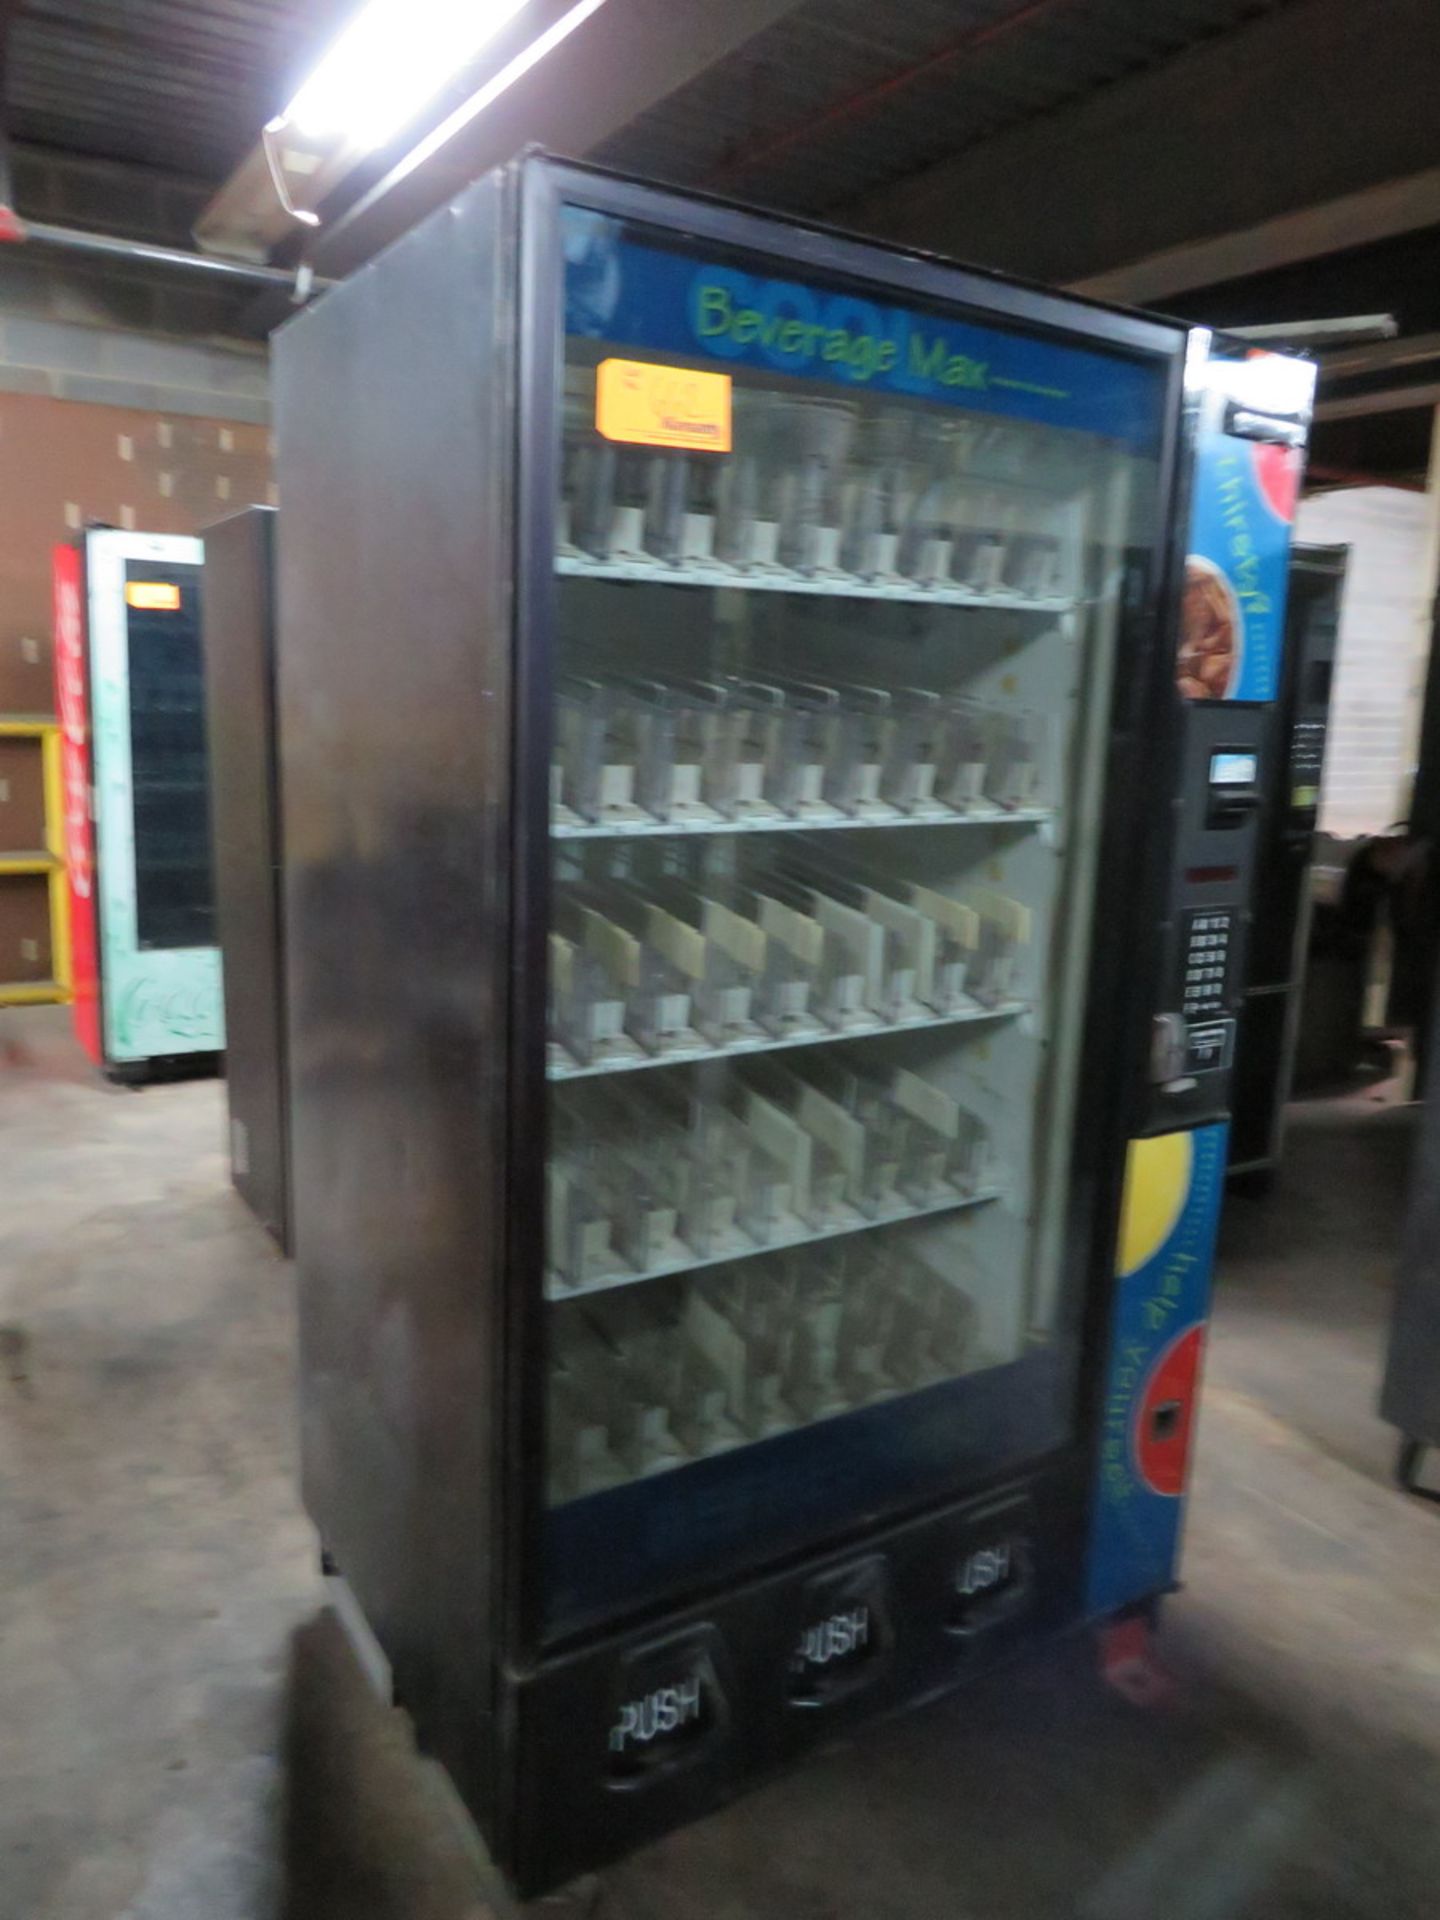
(394,56)
(498,83)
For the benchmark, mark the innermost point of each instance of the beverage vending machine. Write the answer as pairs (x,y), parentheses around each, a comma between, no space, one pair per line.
(130,697)
(767,834)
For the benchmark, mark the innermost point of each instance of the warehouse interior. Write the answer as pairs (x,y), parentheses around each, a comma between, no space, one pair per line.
(190,1725)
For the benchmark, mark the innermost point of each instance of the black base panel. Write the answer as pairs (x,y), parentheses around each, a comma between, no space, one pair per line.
(165,1066)
(620,1743)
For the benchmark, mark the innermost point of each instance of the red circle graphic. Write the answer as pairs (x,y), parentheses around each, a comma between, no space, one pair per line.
(1165,1415)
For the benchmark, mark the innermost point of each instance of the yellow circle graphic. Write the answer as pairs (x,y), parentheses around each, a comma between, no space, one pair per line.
(1157,1184)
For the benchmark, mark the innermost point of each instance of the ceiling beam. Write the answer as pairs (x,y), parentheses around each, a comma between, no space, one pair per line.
(1388,400)
(1354,220)
(1316,100)
(1345,363)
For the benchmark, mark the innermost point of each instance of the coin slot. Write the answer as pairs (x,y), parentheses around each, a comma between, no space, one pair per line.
(1165,1420)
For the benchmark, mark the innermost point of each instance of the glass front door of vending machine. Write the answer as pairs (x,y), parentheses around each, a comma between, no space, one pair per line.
(159,961)
(841,589)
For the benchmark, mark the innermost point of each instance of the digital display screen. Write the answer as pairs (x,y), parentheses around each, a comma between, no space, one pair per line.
(1233,769)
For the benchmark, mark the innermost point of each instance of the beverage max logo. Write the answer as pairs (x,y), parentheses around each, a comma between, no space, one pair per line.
(793,326)
(629,295)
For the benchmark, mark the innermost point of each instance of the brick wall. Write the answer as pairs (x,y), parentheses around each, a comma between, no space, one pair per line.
(65,464)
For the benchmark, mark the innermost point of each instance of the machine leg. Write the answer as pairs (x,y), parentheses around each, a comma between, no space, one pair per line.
(1130,1663)
(1407,1468)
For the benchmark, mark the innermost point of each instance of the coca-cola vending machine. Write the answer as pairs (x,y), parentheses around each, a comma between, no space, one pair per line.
(130,696)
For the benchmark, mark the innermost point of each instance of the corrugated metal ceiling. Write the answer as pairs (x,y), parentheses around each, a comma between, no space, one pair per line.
(186,84)
(769,123)
(181,84)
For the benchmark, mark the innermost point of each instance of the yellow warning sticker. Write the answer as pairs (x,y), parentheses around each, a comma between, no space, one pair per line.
(152,596)
(653,406)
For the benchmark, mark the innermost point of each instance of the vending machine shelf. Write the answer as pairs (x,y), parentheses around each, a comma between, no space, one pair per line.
(561,1065)
(743,1248)
(979,816)
(786,580)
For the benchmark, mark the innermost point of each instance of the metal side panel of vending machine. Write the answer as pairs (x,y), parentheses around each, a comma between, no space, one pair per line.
(129,676)
(733,755)
(245,809)
(1266,1039)
(1251,414)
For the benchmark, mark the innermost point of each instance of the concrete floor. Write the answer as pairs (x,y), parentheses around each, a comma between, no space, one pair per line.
(184,1737)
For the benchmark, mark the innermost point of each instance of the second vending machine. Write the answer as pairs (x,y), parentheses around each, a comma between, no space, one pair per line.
(735,724)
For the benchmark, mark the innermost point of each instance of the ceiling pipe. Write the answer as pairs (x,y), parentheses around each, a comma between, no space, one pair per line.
(1360,329)
(867,97)
(106,246)
(141,253)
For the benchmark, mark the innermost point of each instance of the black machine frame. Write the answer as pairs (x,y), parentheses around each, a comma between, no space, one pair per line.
(418,1221)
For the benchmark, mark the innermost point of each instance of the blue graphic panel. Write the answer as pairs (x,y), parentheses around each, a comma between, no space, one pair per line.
(1171,1213)
(1241,523)
(627,293)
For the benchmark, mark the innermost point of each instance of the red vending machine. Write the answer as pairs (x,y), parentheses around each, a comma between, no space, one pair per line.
(129,694)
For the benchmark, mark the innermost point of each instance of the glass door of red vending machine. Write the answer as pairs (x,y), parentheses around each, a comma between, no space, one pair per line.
(836,592)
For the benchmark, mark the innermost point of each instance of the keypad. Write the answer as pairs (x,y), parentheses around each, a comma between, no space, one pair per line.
(1207,961)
